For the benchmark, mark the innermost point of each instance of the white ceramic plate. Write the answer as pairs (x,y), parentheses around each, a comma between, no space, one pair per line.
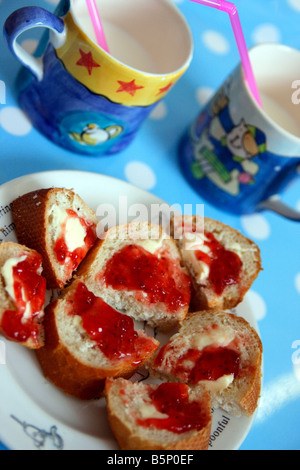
(33,413)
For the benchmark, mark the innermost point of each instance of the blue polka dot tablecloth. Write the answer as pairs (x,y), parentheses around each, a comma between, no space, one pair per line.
(151,163)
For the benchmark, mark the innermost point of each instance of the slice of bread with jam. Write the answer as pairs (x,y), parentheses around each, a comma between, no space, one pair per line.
(22,295)
(58,224)
(222,263)
(137,269)
(217,350)
(169,416)
(87,341)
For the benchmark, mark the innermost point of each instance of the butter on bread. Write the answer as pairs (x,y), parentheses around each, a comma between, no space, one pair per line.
(73,359)
(127,402)
(58,224)
(236,258)
(148,299)
(220,351)
(22,295)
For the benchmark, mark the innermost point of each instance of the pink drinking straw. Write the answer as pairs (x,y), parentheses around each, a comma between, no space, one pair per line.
(97,24)
(231,9)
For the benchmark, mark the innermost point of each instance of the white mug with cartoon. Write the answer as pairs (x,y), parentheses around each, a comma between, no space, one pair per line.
(240,156)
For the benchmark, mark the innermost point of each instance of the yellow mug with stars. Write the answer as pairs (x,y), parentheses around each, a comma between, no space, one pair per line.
(83,98)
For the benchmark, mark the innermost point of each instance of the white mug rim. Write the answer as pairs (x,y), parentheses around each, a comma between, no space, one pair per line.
(259,109)
(136,71)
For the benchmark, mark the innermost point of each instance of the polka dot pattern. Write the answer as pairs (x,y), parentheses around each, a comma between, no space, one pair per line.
(160,111)
(297,282)
(30,45)
(140,174)
(216,42)
(258,305)
(14,121)
(256,226)
(204,94)
(266,33)
(294,4)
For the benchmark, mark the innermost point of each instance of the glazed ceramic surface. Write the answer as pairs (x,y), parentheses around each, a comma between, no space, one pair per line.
(83,98)
(238,155)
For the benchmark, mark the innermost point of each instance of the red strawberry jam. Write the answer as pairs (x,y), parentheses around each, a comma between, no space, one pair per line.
(29,287)
(72,259)
(172,399)
(225,266)
(134,269)
(210,363)
(113,332)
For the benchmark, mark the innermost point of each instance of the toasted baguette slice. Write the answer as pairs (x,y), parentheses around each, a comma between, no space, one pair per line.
(137,268)
(22,295)
(87,341)
(222,263)
(57,223)
(139,423)
(220,351)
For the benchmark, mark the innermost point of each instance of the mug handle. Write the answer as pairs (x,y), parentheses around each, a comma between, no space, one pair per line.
(27,18)
(275,204)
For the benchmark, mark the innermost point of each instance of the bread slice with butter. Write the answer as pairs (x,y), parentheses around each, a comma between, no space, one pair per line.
(22,295)
(87,341)
(223,264)
(168,416)
(137,268)
(58,224)
(217,350)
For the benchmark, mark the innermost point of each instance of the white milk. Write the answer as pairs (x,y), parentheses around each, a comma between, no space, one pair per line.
(280,115)
(121,45)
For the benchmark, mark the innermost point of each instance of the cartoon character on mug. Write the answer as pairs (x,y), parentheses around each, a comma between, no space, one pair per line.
(224,151)
(92,134)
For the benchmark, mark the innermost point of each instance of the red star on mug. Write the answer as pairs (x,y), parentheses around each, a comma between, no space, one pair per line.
(165,89)
(87,61)
(129,87)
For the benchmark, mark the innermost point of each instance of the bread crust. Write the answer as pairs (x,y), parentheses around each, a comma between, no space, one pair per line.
(249,401)
(129,441)
(29,215)
(63,369)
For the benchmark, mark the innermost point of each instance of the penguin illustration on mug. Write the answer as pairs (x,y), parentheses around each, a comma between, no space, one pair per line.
(93,134)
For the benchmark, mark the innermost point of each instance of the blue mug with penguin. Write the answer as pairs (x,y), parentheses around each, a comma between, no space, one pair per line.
(83,98)
(239,156)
